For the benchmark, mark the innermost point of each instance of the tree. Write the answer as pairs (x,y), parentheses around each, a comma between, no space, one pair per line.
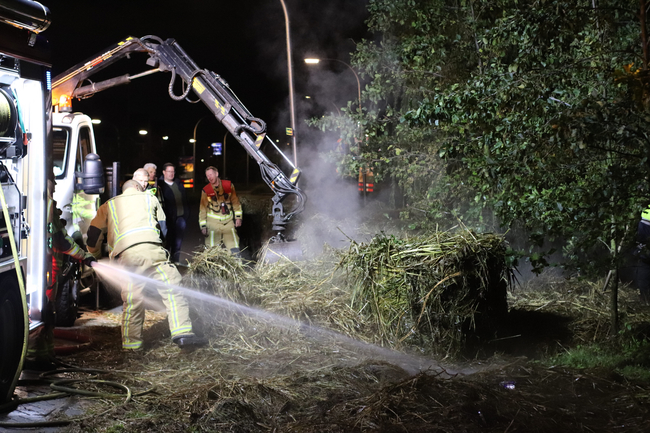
(534,110)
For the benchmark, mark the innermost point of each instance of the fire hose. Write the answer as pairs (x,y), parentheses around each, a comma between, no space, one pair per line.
(63,388)
(19,276)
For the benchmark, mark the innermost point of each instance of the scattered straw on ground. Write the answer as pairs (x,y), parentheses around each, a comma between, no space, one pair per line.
(270,368)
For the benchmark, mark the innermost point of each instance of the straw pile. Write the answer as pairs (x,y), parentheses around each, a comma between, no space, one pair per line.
(582,304)
(268,306)
(436,292)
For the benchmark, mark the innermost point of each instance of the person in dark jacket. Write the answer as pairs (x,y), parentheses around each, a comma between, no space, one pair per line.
(176,209)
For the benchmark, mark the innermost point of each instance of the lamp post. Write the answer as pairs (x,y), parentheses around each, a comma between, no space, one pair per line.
(290,68)
(193,140)
(315,61)
(117,134)
(224,154)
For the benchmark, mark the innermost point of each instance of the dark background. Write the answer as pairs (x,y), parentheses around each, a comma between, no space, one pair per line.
(244,42)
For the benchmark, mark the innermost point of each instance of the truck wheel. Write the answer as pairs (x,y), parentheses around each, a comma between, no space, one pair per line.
(12,335)
(66,306)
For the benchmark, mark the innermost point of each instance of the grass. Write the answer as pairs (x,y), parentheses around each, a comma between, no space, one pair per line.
(429,291)
(626,355)
(592,346)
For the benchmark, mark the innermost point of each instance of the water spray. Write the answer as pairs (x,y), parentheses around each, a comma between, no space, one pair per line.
(410,363)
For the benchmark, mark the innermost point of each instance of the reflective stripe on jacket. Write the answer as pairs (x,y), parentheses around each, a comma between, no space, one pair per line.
(210,208)
(128,219)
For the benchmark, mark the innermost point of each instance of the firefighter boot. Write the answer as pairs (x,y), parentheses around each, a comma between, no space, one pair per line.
(189,342)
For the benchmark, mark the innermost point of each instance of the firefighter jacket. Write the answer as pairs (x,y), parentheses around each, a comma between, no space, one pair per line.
(152,186)
(219,204)
(62,243)
(131,218)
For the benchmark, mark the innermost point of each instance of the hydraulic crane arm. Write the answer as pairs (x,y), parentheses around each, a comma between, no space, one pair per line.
(211,89)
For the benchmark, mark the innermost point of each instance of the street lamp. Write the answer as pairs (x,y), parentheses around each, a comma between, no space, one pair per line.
(117,133)
(315,61)
(290,68)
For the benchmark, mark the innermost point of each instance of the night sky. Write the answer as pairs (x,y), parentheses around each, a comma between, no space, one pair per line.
(242,41)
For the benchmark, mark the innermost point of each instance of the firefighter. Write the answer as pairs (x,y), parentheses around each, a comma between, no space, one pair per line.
(133,223)
(40,348)
(152,182)
(220,213)
(151,171)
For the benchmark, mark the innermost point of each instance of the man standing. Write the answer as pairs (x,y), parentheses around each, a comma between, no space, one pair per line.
(133,223)
(176,209)
(220,212)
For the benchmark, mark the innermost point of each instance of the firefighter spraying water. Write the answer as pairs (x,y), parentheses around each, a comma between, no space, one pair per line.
(133,223)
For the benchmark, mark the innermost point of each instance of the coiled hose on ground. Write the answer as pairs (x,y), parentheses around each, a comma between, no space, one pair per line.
(63,389)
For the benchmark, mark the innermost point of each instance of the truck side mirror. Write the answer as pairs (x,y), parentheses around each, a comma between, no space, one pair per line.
(91,180)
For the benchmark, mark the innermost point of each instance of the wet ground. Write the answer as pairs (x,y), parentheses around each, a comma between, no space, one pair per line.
(31,384)
(323,389)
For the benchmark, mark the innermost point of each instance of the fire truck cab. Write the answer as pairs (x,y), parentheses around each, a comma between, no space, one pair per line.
(73,139)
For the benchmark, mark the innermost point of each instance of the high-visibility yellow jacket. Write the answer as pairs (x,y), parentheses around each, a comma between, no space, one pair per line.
(131,218)
(211,208)
(62,243)
(645,215)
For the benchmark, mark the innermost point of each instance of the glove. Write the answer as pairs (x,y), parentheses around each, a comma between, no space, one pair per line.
(204,230)
(88,261)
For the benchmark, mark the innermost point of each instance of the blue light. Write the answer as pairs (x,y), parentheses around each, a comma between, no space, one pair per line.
(48,79)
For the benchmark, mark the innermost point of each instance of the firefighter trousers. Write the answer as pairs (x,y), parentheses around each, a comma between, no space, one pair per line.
(219,232)
(152,261)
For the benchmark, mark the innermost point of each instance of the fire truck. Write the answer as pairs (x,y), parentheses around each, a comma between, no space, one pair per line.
(26,166)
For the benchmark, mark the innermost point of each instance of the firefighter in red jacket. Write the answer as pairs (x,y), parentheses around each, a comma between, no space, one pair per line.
(220,213)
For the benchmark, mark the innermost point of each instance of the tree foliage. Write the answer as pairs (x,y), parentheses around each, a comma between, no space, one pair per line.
(536,110)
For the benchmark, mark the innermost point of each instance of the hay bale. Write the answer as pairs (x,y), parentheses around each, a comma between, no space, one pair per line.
(439,292)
